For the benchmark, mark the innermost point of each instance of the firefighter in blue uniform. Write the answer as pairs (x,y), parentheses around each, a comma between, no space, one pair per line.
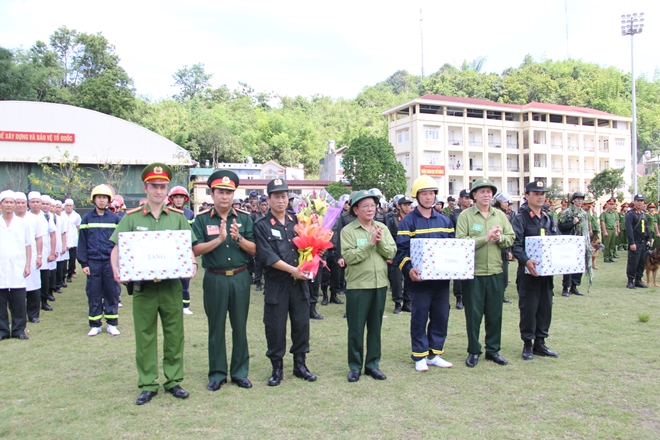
(94,248)
(177,197)
(429,299)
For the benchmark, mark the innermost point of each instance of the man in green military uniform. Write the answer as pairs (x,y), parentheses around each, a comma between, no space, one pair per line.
(622,240)
(609,223)
(451,205)
(483,296)
(652,217)
(225,240)
(159,297)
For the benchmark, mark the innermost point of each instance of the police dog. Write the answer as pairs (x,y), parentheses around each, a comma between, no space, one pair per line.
(598,246)
(652,265)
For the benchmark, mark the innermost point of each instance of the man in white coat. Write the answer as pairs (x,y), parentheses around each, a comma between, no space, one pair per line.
(38,231)
(50,255)
(15,255)
(72,238)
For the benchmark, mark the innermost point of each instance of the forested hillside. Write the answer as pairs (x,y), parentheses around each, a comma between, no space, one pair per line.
(230,123)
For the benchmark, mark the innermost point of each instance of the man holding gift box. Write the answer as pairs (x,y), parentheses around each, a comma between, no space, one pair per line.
(483,295)
(286,291)
(226,244)
(430,298)
(637,231)
(534,291)
(159,297)
(575,221)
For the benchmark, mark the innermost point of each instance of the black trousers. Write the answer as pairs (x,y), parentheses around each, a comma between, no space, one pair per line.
(15,299)
(71,269)
(535,304)
(281,302)
(636,261)
(258,271)
(60,273)
(336,271)
(571,279)
(45,284)
(33,304)
(458,290)
(505,267)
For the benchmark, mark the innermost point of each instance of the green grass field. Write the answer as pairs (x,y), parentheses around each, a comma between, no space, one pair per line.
(62,384)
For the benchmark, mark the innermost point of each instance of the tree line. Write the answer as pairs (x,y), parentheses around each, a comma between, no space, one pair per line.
(223,124)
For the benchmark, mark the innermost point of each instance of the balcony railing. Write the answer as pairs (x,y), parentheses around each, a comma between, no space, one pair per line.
(455,142)
(513,169)
(589,148)
(475,143)
(573,148)
(495,167)
(557,169)
(512,145)
(556,146)
(605,148)
(495,144)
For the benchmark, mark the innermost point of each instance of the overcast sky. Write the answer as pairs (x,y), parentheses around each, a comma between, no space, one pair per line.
(335,48)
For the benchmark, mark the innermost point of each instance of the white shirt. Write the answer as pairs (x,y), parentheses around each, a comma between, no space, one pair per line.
(72,233)
(15,238)
(45,265)
(62,228)
(38,228)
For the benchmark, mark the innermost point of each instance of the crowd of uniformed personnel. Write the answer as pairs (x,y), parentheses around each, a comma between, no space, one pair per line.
(245,242)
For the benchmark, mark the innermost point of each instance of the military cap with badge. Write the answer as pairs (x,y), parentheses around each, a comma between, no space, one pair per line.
(276,185)
(224,179)
(536,186)
(156,172)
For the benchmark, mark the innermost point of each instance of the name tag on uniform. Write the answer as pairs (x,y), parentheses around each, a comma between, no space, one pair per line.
(477,227)
(362,242)
(141,228)
(276,233)
(212,230)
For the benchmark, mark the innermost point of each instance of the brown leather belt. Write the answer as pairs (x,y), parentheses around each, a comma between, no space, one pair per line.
(228,273)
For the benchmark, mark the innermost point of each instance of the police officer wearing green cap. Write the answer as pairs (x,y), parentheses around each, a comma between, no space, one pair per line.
(156,298)
(483,295)
(534,291)
(286,291)
(225,240)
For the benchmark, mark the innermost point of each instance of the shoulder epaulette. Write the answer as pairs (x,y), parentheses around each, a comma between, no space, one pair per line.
(206,211)
(242,211)
(134,210)
(180,211)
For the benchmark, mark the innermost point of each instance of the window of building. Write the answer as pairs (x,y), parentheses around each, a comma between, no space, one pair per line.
(407,160)
(619,163)
(603,123)
(453,111)
(432,133)
(475,113)
(430,109)
(407,135)
(589,122)
(557,119)
(572,120)
(620,143)
(490,114)
(525,117)
(432,158)
(508,116)
(539,117)
(399,137)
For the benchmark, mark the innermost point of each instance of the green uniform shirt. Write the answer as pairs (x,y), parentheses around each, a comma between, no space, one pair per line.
(652,218)
(595,224)
(488,256)
(365,264)
(446,211)
(622,221)
(228,255)
(610,219)
(143,220)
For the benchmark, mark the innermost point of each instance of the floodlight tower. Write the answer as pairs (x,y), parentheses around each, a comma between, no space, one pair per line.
(631,25)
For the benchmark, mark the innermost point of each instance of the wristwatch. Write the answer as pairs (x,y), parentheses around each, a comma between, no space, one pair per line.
(238,240)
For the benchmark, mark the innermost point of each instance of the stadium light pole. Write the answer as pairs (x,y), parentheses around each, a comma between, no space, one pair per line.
(632,24)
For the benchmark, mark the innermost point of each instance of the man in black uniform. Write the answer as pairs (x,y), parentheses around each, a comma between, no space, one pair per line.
(400,296)
(256,215)
(286,291)
(534,291)
(465,201)
(637,232)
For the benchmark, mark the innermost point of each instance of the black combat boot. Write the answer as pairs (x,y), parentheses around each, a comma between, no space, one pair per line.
(541,349)
(564,292)
(312,312)
(527,353)
(300,369)
(407,306)
(334,299)
(639,283)
(397,308)
(459,302)
(276,376)
(631,283)
(324,302)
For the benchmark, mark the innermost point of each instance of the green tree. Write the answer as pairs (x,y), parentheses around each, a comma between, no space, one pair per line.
(192,81)
(606,182)
(369,162)
(555,192)
(337,189)
(64,177)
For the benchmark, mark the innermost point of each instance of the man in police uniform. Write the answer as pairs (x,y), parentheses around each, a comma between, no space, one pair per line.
(286,292)
(159,297)
(574,221)
(637,231)
(225,240)
(609,221)
(534,291)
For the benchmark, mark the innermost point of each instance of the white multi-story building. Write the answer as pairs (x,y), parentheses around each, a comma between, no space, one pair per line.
(457,140)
